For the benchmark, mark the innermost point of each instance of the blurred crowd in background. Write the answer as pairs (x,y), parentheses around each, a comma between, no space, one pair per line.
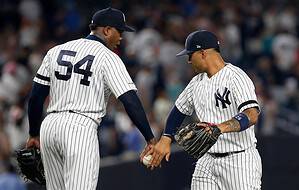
(260,37)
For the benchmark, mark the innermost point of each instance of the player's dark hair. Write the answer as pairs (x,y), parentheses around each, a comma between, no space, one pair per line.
(92,26)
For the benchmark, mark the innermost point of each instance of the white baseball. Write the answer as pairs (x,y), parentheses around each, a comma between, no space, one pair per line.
(147,159)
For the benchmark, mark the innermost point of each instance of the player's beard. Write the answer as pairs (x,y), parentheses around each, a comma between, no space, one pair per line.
(112,46)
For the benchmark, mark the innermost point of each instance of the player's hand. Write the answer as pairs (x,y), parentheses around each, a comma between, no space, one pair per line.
(148,149)
(33,142)
(206,126)
(162,149)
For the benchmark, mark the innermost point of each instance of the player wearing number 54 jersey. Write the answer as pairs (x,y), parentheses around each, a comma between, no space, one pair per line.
(79,76)
(223,95)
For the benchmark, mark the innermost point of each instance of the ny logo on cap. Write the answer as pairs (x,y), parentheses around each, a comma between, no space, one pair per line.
(198,46)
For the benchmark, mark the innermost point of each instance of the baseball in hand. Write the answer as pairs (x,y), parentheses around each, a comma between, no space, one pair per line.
(147,160)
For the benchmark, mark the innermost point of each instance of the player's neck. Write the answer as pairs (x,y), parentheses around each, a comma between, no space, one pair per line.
(215,65)
(99,36)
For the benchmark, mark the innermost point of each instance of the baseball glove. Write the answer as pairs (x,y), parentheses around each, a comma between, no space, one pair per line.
(197,138)
(31,166)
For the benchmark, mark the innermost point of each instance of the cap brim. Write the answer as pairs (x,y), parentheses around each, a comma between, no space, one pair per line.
(184,52)
(127,28)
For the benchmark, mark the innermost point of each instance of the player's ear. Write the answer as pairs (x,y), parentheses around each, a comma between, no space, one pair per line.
(203,54)
(107,31)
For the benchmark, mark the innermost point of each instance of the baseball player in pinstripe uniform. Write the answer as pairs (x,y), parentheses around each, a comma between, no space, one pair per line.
(79,77)
(223,94)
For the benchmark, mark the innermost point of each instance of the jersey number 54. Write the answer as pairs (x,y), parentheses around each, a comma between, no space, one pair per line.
(76,68)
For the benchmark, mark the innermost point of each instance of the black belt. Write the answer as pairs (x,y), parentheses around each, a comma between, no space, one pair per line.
(71,111)
(221,155)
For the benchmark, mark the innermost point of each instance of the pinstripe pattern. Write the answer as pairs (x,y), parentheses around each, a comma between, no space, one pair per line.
(70,151)
(108,75)
(215,100)
(234,172)
(81,74)
(199,96)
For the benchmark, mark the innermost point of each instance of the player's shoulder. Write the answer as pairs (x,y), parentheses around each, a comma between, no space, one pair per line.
(237,74)
(79,43)
(197,78)
(111,56)
(62,46)
(104,50)
(53,49)
(234,71)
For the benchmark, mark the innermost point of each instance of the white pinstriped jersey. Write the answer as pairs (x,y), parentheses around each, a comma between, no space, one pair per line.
(218,99)
(82,74)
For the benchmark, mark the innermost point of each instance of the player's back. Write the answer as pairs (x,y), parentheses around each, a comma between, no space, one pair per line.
(76,80)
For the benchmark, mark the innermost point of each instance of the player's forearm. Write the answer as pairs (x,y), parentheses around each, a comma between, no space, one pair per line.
(231,125)
(235,125)
(173,122)
(35,107)
(136,113)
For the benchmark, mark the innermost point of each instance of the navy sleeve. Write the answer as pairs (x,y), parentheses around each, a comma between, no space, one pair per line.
(136,113)
(37,97)
(174,121)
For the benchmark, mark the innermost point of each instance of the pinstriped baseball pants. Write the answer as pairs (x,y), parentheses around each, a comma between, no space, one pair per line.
(234,172)
(70,151)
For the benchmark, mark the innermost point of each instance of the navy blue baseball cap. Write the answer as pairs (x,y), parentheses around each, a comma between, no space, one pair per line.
(199,40)
(111,17)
